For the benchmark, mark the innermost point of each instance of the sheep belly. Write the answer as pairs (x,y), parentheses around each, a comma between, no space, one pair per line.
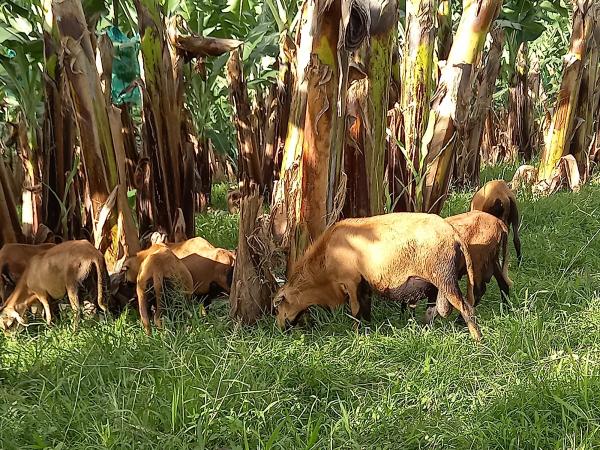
(410,292)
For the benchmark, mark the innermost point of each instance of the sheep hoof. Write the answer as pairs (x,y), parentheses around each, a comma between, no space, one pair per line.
(475,331)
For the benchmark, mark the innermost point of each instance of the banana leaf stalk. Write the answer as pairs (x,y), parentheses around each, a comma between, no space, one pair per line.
(417,88)
(312,192)
(468,161)
(558,138)
(589,95)
(450,102)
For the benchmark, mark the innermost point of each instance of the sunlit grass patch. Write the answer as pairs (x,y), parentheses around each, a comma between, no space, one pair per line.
(204,382)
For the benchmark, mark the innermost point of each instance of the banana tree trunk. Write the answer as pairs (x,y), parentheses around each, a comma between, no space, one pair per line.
(469,160)
(14,165)
(7,232)
(253,284)
(560,132)
(595,154)
(32,189)
(450,102)
(205,172)
(10,227)
(377,60)
(247,140)
(534,84)
(313,189)
(127,233)
(285,81)
(145,199)
(92,116)
(489,139)
(588,100)
(270,140)
(398,174)
(519,107)
(258,119)
(57,142)
(131,151)
(367,108)
(162,116)
(104,65)
(417,88)
(355,166)
(88,101)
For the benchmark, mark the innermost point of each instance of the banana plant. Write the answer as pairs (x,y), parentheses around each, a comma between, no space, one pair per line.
(524,22)
(257,24)
(20,73)
(449,108)
(562,125)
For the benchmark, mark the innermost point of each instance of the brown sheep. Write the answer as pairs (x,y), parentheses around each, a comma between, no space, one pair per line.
(486,237)
(499,200)
(210,268)
(197,245)
(394,254)
(51,275)
(160,266)
(208,272)
(14,259)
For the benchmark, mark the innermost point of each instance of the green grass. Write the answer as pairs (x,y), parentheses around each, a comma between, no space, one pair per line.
(534,382)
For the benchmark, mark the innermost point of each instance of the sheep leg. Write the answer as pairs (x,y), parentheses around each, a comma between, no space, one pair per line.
(75,306)
(354,302)
(430,314)
(466,311)
(143,305)
(43,298)
(436,304)
(364,299)
(17,316)
(158,294)
(503,283)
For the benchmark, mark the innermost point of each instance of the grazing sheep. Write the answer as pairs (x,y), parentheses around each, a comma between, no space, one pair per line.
(160,266)
(487,240)
(59,271)
(497,199)
(14,259)
(194,246)
(394,254)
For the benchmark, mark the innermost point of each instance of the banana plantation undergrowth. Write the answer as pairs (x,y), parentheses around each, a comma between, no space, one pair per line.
(533,382)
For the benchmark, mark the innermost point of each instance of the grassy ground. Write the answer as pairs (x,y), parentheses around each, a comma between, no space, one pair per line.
(534,382)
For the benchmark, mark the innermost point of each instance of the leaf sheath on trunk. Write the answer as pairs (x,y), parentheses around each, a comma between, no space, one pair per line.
(559,134)
(450,101)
